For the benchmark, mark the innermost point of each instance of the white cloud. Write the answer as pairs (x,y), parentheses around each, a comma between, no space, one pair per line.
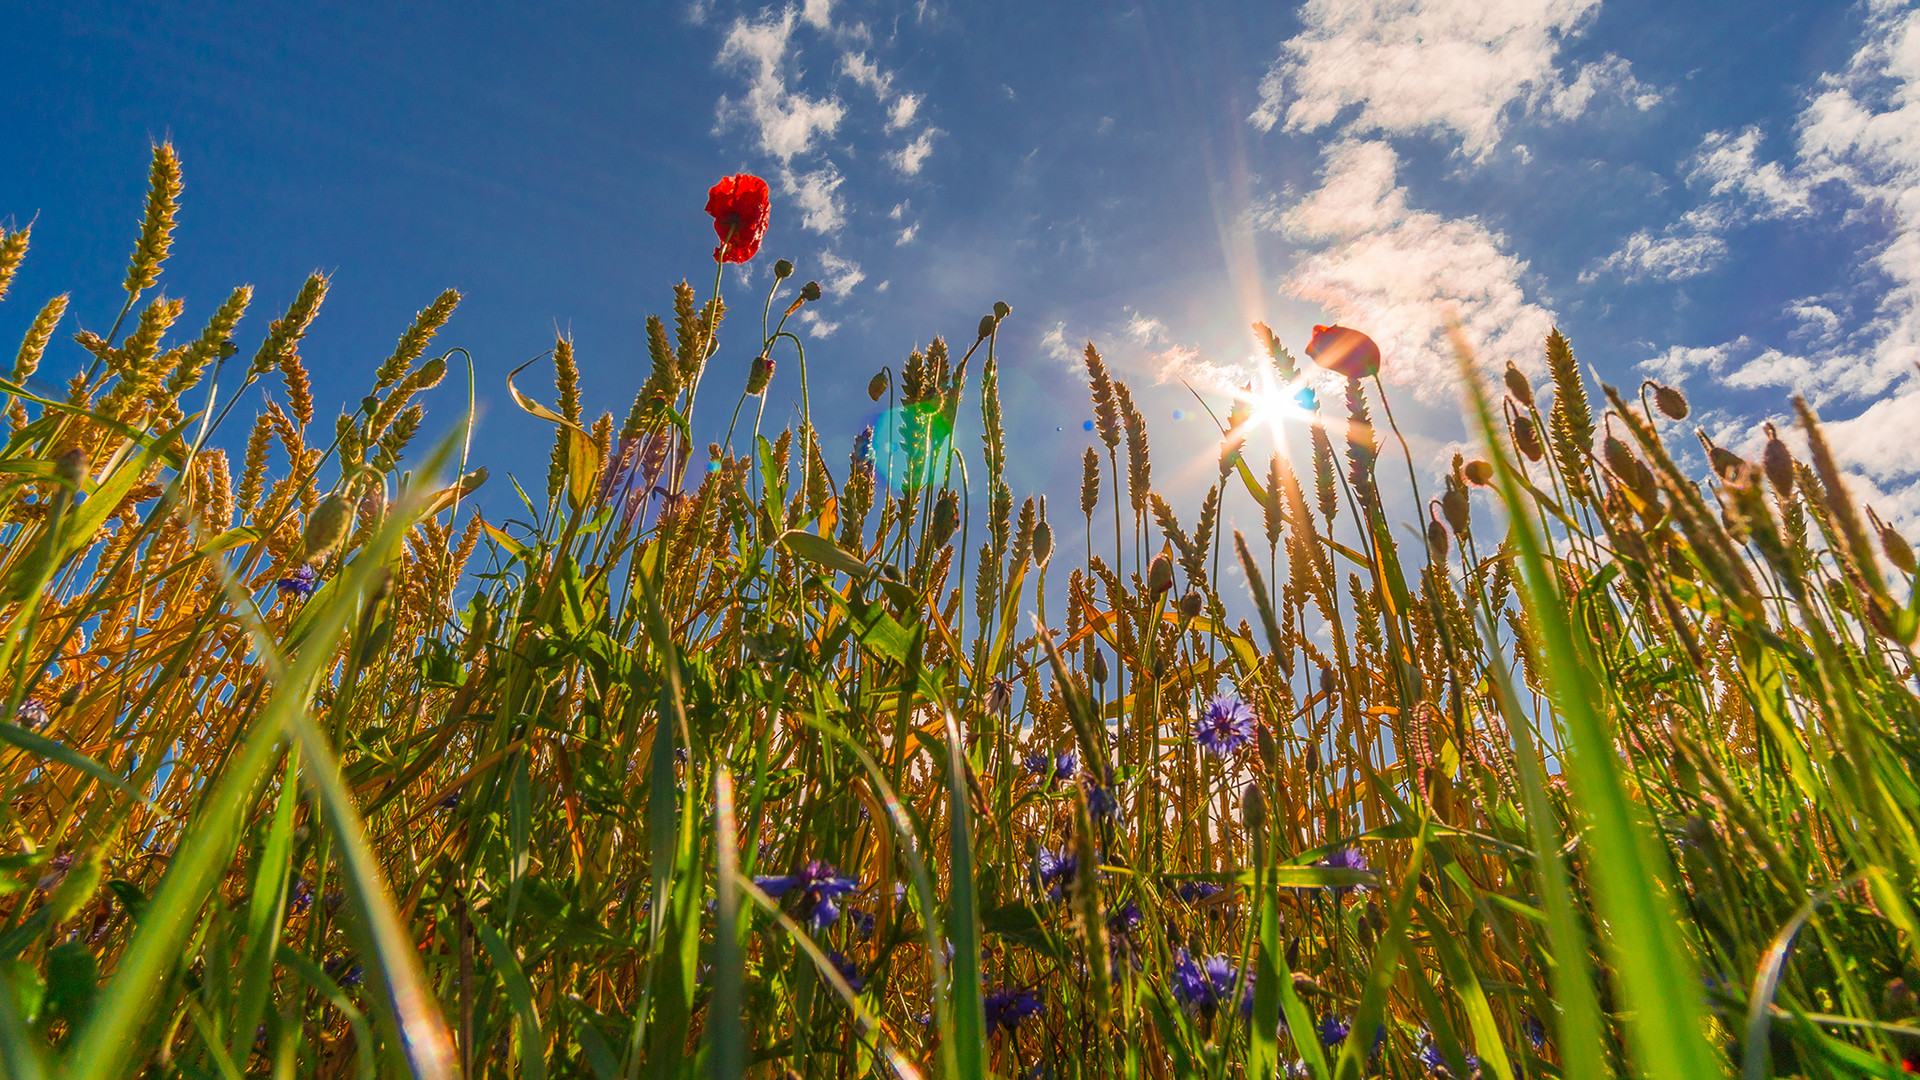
(1687,248)
(905,107)
(867,73)
(1728,164)
(1435,65)
(818,14)
(910,157)
(1680,361)
(786,120)
(814,192)
(899,210)
(907,234)
(839,275)
(1054,344)
(1403,274)
(1143,329)
(817,327)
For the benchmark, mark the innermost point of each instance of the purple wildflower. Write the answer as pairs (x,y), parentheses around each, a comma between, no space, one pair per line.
(1065,766)
(32,714)
(819,887)
(1057,869)
(1203,986)
(1436,1062)
(1195,891)
(1333,1030)
(1226,727)
(848,970)
(1006,1008)
(1345,859)
(302,896)
(1125,920)
(862,923)
(1099,803)
(300,583)
(1035,763)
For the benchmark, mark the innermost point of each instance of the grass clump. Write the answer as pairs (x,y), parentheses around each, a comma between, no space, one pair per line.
(723,761)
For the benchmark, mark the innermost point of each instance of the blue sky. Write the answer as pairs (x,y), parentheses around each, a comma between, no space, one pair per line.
(1726,195)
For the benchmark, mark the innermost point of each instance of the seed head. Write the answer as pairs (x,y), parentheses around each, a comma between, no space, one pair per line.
(1526,438)
(782,270)
(810,291)
(326,527)
(1097,667)
(1478,472)
(1519,387)
(877,385)
(1159,574)
(1190,605)
(1670,401)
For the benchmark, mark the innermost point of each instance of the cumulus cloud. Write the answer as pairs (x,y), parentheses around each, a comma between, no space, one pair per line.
(1687,248)
(1436,65)
(815,193)
(1053,344)
(1404,274)
(902,111)
(786,120)
(839,275)
(907,234)
(910,157)
(817,327)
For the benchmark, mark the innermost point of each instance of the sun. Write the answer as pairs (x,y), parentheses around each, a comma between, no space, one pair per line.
(1270,403)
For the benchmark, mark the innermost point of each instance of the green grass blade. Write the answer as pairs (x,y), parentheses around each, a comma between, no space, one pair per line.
(964,994)
(726,1034)
(513,978)
(1630,878)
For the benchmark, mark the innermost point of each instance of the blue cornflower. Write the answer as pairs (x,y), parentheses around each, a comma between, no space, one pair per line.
(1057,869)
(1065,766)
(1099,803)
(848,970)
(862,923)
(1226,727)
(1204,985)
(819,887)
(1346,859)
(300,583)
(1431,1057)
(1036,763)
(1006,1008)
(1536,1031)
(1125,920)
(1195,891)
(1333,1030)
(302,898)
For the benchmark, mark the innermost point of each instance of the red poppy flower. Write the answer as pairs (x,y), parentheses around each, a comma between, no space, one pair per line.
(739,208)
(1345,350)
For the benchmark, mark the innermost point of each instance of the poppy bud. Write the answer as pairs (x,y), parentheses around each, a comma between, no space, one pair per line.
(1478,472)
(1526,438)
(810,291)
(1518,386)
(1269,750)
(1190,605)
(1899,552)
(69,696)
(1778,462)
(1426,883)
(1363,931)
(228,348)
(1436,539)
(987,323)
(1159,574)
(782,270)
(1670,401)
(70,468)
(431,372)
(1725,462)
(877,385)
(946,517)
(1159,668)
(1345,350)
(1253,809)
(1097,666)
(1455,508)
(1313,757)
(759,375)
(1328,684)
(326,527)
(1001,310)
(1293,953)
(1619,458)
(370,404)
(1305,986)
(1898,1002)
